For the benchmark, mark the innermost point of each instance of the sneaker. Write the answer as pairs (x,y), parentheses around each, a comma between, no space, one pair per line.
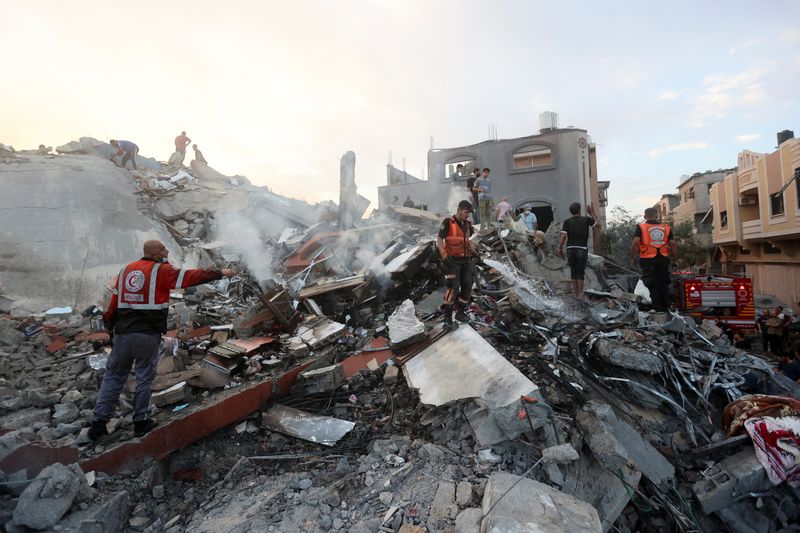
(98,429)
(448,322)
(143,427)
(461,315)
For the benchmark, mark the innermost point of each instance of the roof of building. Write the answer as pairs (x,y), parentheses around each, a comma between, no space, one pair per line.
(723,171)
(544,133)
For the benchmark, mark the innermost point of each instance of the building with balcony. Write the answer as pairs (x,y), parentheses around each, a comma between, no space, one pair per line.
(546,172)
(756,212)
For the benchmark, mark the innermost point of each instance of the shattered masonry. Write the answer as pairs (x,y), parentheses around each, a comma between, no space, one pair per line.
(316,390)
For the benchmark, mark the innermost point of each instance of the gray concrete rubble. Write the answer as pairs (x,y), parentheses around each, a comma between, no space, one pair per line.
(49,496)
(525,505)
(316,389)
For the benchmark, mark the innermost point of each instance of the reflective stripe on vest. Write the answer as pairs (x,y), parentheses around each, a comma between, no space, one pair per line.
(456,244)
(130,294)
(654,240)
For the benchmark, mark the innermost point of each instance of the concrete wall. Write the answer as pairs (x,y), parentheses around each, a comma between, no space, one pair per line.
(56,212)
(567,179)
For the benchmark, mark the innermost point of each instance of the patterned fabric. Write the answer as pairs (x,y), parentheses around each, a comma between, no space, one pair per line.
(755,405)
(777,445)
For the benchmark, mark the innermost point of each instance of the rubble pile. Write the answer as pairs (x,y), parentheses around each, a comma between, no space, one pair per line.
(316,390)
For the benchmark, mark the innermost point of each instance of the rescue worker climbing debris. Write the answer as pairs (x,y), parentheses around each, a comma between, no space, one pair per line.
(137,317)
(654,245)
(457,251)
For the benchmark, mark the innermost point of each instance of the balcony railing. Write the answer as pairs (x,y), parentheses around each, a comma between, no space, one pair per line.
(751,229)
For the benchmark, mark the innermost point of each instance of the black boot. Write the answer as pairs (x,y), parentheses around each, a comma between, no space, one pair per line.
(98,429)
(143,427)
(448,318)
(461,313)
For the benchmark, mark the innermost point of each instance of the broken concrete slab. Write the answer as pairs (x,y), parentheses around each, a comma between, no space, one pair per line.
(534,507)
(404,326)
(323,379)
(562,453)
(614,442)
(111,517)
(462,364)
(323,430)
(626,357)
(49,496)
(732,477)
(469,520)
(25,418)
(443,507)
(9,336)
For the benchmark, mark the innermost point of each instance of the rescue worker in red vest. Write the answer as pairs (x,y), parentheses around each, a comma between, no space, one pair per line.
(457,252)
(654,246)
(136,318)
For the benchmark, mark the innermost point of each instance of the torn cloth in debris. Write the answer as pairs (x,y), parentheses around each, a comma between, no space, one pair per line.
(777,445)
(753,405)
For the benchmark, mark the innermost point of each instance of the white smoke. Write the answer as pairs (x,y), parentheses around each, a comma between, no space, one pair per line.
(246,236)
(458,193)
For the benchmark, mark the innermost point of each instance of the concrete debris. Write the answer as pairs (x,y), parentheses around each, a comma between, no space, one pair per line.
(278,391)
(404,326)
(49,496)
(530,506)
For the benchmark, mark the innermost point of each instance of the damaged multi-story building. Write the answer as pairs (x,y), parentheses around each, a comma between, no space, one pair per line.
(546,171)
(756,212)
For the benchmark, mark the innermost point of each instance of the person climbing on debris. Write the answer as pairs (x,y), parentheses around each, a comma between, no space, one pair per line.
(476,174)
(136,318)
(127,150)
(198,155)
(457,251)
(483,186)
(575,233)
(654,244)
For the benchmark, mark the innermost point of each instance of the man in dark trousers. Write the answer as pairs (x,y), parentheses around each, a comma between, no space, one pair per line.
(136,318)
(127,150)
(476,173)
(575,234)
(654,245)
(457,253)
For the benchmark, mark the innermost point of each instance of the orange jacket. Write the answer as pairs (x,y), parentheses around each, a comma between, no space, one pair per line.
(456,244)
(654,240)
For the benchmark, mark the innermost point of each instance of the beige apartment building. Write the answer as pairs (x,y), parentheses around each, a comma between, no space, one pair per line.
(756,226)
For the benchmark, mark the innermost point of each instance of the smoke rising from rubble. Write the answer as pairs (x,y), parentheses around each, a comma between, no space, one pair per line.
(246,236)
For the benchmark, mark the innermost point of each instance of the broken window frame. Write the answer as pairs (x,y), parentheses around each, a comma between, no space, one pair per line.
(532,152)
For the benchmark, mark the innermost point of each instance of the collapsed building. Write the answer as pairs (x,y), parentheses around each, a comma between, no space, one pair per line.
(546,171)
(317,391)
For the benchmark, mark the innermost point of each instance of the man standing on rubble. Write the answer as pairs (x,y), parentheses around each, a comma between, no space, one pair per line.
(457,252)
(529,219)
(575,233)
(654,244)
(136,318)
(127,150)
(476,174)
(502,208)
(409,202)
(181,142)
(483,186)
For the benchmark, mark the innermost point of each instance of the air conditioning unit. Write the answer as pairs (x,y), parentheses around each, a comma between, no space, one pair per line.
(748,200)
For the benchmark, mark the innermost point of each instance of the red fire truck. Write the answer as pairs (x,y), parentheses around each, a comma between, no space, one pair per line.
(719,298)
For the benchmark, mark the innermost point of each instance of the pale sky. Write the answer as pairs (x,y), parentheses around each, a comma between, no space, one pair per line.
(279,91)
